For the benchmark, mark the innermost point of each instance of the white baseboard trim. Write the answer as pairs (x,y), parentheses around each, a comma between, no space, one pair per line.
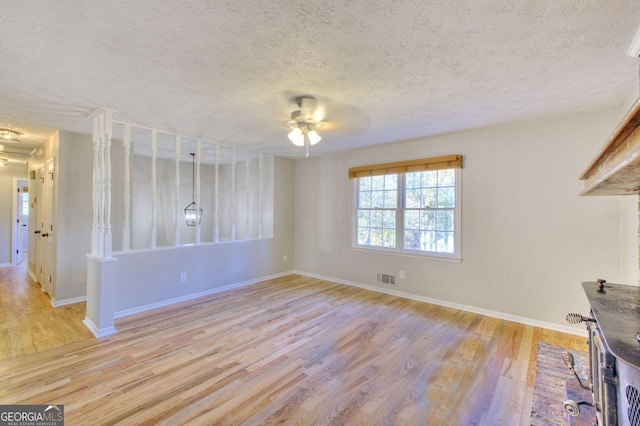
(5,265)
(32,275)
(494,314)
(63,302)
(144,308)
(97,331)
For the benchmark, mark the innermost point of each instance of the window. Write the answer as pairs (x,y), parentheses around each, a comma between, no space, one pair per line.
(25,204)
(401,209)
(377,207)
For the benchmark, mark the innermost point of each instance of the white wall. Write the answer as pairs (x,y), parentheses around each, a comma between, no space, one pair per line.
(528,239)
(7,173)
(146,277)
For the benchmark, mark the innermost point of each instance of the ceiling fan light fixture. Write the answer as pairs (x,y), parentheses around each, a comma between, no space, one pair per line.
(296,137)
(9,136)
(314,137)
(303,124)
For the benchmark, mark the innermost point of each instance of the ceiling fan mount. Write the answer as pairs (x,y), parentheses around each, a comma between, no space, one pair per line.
(304,115)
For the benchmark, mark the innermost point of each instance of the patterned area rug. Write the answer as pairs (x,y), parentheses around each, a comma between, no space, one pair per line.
(550,390)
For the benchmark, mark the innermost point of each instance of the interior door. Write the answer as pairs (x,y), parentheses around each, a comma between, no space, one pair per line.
(39,240)
(48,231)
(22,207)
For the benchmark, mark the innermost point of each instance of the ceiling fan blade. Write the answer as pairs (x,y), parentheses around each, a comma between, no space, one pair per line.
(333,117)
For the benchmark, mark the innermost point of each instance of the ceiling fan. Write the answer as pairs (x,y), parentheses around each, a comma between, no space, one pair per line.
(304,122)
(322,115)
(9,136)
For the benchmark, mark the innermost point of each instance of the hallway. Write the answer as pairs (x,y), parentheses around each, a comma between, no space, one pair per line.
(28,322)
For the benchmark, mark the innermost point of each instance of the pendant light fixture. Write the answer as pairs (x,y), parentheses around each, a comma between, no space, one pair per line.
(303,124)
(193,212)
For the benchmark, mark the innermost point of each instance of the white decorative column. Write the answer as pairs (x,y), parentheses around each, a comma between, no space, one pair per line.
(197,183)
(154,154)
(101,176)
(216,224)
(96,170)
(179,212)
(233,194)
(108,238)
(126,228)
(101,266)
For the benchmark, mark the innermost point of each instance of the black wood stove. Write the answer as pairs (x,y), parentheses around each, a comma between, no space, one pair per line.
(614,353)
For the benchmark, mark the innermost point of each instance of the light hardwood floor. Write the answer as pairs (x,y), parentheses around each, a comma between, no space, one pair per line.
(294,350)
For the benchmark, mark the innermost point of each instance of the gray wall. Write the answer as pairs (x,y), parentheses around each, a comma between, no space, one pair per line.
(528,239)
(146,277)
(165,201)
(73,236)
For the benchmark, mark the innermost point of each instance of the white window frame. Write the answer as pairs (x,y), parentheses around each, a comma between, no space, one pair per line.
(400,209)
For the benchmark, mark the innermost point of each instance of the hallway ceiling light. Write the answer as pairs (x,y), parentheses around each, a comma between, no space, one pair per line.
(9,136)
(303,125)
(193,213)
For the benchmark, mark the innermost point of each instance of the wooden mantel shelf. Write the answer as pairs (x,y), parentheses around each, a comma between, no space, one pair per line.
(616,169)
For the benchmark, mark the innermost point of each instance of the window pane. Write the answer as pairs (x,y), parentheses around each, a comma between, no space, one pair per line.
(376,237)
(364,200)
(390,199)
(365,183)
(428,220)
(412,219)
(446,177)
(429,198)
(413,180)
(445,242)
(428,240)
(389,219)
(377,199)
(376,218)
(413,200)
(391,182)
(389,238)
(447,197)
(444,220)
(377,183)
(363,236)
(363,218)
(412,240)
(430,179)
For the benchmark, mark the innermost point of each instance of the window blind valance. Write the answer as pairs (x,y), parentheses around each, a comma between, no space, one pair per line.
(432,163)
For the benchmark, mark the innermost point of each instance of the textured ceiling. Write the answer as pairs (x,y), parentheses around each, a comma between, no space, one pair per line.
(227,71)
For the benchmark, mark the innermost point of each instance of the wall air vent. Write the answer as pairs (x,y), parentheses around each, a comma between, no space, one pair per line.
(387,279)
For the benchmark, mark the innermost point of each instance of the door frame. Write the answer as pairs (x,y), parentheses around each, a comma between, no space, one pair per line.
(14,220)
(39,225)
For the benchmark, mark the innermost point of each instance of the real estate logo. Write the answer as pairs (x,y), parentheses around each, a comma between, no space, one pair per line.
(31,415)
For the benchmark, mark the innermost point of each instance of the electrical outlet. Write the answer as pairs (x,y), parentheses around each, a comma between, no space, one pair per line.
(183,277)
(285,258)
(402,275)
